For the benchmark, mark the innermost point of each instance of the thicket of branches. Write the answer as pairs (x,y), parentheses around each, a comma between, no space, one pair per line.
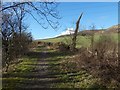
(100,60)
(15,37)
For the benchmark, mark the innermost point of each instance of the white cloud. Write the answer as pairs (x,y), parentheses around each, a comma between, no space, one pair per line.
(67,32)
(45,37)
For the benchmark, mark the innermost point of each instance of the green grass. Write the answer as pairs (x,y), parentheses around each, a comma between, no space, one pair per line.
(13,77)
(84,41)
(69,78)
(76,80)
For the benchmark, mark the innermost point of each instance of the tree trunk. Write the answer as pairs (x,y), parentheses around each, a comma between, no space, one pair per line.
(73,46)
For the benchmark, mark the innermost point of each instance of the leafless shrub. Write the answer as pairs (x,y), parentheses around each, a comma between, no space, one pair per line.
(33,45)
(105,47)
(15,48)
(63,47)
(107,58)
(103,65)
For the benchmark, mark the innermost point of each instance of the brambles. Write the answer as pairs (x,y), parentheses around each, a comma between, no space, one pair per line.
(101,63)
(107,59)
(106,47)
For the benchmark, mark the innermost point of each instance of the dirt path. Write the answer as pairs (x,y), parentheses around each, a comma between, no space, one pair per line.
(39,77)
(43,79)
(45,72)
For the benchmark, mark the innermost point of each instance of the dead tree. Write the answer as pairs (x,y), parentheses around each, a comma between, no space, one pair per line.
(73,46)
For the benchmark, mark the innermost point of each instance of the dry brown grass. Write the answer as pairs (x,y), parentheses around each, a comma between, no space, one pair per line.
(101,63)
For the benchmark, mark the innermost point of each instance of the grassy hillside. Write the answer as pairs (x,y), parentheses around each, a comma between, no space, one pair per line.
(84,41)
(114,27)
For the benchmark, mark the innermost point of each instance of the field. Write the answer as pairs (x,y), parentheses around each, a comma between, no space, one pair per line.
(84,41)
(44,67)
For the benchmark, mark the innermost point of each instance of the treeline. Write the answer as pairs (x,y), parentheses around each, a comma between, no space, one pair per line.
(15,38)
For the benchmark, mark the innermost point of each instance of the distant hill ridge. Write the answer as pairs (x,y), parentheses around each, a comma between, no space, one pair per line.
(112,29)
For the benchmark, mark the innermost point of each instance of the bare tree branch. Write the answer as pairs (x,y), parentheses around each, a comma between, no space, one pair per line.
(45,10)
(16,5)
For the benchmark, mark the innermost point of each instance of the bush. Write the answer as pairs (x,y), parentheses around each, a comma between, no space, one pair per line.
(106,47)
(63,47)
(105,66)
(107,59)
(102,62)
(15,47)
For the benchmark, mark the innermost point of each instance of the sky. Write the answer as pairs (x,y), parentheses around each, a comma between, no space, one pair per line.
(100,14)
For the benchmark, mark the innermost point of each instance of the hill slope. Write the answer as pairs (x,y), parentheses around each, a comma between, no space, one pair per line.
(84,37)
(114,29)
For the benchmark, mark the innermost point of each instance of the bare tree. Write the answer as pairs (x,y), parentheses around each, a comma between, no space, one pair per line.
(11,6)
(15,39)
(7,29)
(75,34)
(48,15)
(14,43)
